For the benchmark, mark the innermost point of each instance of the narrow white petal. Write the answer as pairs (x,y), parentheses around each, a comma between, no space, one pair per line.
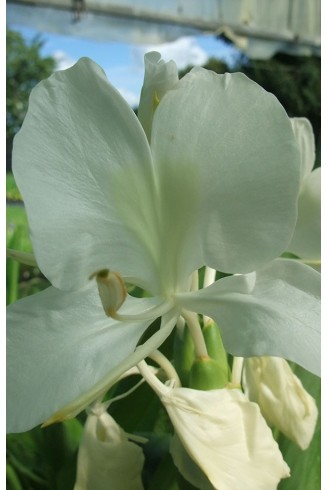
(99,389)
(274,311)
(60,345)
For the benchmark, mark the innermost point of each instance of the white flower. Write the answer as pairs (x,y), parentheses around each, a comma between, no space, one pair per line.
(306,240)
(284,403)
(224,434)
(159,78)
(107,459)
(269,381)
(217,185)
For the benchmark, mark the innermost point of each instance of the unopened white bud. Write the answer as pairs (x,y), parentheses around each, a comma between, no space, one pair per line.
(284,403)
(107,459)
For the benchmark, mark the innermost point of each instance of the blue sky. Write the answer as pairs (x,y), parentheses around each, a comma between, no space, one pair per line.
(122,62)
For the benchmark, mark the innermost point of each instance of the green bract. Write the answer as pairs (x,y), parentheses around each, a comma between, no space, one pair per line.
(217,185)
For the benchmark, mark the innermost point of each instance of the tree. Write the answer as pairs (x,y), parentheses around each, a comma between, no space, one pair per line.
(295,80)
(25,68)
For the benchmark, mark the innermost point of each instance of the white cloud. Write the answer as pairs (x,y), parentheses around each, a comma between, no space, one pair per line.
(184,51)
(127,79)
(131,97)
(63,60)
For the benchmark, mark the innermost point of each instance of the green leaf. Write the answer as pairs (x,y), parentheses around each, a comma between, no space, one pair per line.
(13,482)
(61,446)
(165,476)
(25,456)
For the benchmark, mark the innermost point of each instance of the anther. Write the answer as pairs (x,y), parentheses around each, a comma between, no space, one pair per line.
(112,290)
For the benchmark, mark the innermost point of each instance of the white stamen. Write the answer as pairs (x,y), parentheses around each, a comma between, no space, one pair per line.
(311,262)
(22,257)
(209,276)
(196,333)
(180,326)
(237,369)
(194,281)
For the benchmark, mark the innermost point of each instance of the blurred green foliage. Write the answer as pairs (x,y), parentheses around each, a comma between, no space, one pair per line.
(25,68)
(16,217)
(12,191)
(21,280)
(44,459)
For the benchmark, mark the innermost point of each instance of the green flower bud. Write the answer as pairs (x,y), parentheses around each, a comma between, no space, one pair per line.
(215,347)
(184,354)
(207,374)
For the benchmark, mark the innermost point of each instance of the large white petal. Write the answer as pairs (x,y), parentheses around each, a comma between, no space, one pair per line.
(274,311)
(229,168)
(61,344)
(83,165)
(306,241)
(159,78)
